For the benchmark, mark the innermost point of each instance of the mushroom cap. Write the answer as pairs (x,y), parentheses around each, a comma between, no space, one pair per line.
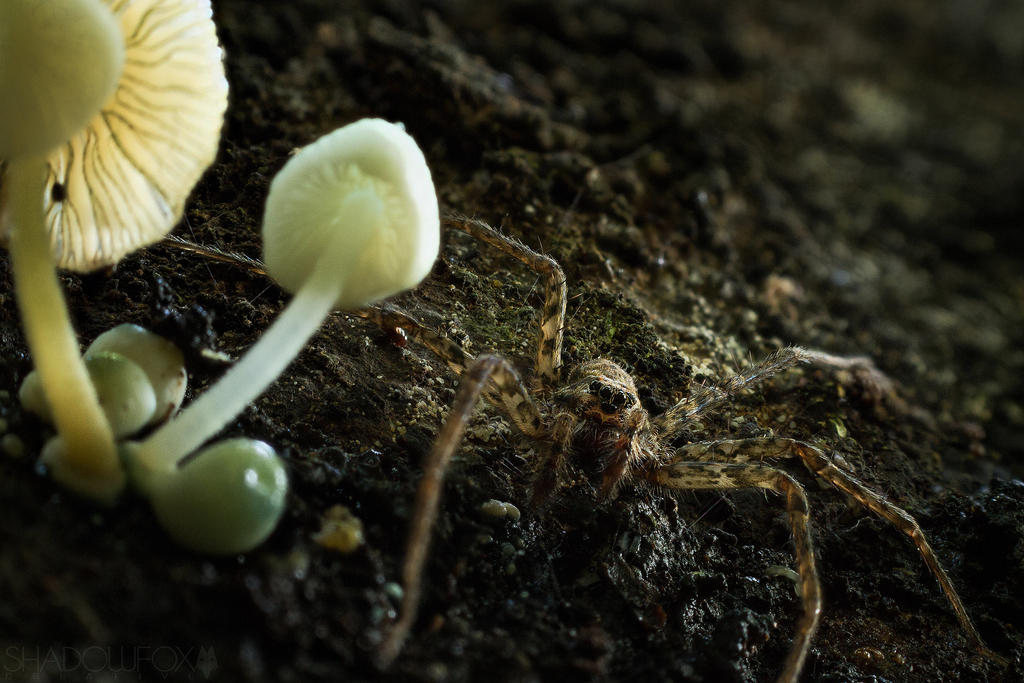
(159,358)
(121,182)
(123,389)
(363,197)
(59,62)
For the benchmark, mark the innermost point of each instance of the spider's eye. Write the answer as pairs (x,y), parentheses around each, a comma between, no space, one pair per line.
(605,393)
(619,399)
(594,387)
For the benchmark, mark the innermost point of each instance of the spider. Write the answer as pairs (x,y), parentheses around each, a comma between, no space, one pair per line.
(589,419)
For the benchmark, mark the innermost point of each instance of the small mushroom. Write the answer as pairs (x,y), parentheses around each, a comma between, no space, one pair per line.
(124,391)
(112,111)
(159,358)
(225,500)
(118,180)
(350,219)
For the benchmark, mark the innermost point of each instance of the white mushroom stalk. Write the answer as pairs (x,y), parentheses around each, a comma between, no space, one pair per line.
(59,62)
(93,467)
(111,112)
(350,219)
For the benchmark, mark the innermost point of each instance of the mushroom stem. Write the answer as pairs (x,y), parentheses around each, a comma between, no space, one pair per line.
(274,351)
(249,377)
(89,463)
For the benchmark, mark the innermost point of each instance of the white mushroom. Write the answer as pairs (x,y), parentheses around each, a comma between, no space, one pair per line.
(350,219)
(116,184)
(159,358)
(120,182)
(124,392)
(362,197)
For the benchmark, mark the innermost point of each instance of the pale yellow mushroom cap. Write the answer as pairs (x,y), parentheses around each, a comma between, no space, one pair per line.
(160,359)
(361,196)
(60,60)
(121,182)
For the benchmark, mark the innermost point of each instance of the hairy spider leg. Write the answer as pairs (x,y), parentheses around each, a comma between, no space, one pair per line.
(874,382)
(552,461)
(428,495)
(505,390)
(390,318)
(710,396)
(755,449)
(714,475)
(552,321)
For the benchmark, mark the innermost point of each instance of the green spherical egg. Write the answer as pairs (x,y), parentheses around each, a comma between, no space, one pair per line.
(225,500)
(160,359)
(124,392)
(122,388)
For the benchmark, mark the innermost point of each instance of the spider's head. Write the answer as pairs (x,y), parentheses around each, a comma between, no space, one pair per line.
(609,430)
(604,394)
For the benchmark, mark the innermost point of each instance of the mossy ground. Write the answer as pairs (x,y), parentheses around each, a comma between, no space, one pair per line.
(716,181)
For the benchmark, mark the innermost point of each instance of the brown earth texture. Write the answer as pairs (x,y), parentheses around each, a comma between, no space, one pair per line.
(718,179)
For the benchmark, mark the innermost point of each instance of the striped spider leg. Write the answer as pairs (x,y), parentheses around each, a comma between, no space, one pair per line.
(481,371)
(730,454)
(552,320)
(489,376)
(734,463)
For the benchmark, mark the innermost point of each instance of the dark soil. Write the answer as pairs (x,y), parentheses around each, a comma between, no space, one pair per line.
(717,181)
